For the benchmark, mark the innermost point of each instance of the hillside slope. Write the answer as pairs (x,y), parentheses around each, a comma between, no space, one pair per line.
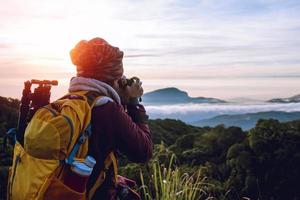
(247,121)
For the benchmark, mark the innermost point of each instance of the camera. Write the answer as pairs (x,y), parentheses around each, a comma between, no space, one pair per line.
(124,82)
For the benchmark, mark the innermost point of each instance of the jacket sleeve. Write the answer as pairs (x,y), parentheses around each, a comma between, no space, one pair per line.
(130,131)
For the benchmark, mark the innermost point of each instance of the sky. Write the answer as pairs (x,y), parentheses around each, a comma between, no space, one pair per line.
(225,49)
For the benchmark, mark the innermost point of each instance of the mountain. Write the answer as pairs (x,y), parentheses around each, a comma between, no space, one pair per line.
(247,121)
(173,95)
(293,99)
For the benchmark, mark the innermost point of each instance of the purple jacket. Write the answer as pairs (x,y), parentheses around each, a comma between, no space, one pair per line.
(114,129)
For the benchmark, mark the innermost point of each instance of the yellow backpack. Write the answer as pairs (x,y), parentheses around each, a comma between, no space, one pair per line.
(54,138)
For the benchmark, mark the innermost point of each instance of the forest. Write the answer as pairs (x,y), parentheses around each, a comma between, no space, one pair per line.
(224,162)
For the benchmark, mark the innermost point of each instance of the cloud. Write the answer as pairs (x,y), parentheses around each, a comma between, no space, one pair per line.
(4,46)
(141,55)
(194,112)
(206,39)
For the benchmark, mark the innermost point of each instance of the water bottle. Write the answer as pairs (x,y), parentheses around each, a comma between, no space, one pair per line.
(79,174)
(90,161)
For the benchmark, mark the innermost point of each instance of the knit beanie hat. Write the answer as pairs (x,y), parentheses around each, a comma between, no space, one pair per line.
(97,59)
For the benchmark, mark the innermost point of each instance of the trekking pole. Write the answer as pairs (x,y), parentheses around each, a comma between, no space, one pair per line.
(24,110)
(31,102)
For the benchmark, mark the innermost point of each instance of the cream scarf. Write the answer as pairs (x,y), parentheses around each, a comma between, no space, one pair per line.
(89,84)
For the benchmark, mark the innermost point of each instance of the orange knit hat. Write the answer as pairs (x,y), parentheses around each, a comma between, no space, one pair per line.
(97,59)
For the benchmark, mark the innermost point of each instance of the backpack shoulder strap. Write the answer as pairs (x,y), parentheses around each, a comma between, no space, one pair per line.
(110,160)
(91,97)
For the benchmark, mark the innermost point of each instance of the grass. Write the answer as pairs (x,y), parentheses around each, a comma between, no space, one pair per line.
(172,184)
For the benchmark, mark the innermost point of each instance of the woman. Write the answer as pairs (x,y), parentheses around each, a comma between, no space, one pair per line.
(119,121)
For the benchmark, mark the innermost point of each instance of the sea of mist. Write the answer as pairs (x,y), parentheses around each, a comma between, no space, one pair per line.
(194,112)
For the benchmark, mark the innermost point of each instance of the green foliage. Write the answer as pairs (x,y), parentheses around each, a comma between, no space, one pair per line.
(8,119)
(277,150)
(261,164)
(185,141)
(169,130)
(3,181)
(8,113)
(167,183)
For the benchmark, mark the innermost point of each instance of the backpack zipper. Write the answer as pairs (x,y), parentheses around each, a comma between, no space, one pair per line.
(17,160)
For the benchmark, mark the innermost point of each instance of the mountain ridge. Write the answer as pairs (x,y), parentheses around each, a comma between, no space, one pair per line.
(173,95)
(293,99)
(248,120)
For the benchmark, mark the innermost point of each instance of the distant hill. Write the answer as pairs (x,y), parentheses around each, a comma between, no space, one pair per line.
(243,100)
(293,99)
(173,95)
(247,121)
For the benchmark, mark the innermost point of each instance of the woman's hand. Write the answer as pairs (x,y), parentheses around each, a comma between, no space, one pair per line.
(135,90)
(131,92)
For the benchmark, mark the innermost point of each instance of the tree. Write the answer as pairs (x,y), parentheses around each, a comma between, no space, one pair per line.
(277,150)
